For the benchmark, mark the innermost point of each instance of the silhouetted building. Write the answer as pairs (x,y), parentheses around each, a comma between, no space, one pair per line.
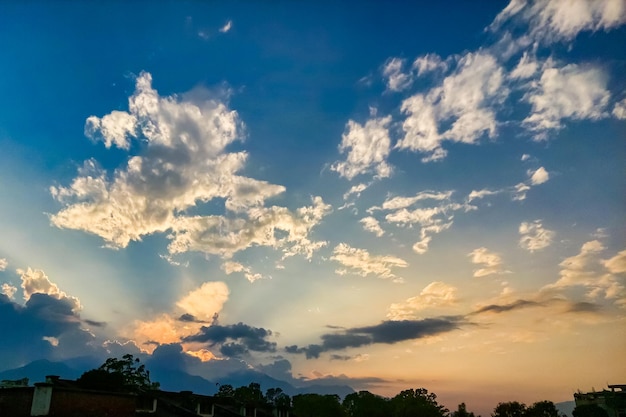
(64,398)
(613,400)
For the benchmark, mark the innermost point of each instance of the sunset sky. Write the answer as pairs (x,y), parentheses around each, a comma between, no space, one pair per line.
(382,195)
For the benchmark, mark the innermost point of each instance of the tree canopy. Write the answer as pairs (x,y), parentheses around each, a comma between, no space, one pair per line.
(126,374)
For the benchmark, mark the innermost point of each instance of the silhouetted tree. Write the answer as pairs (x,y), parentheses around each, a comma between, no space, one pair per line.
(418,402)
(315,405)
(542,409)
(462,412)
(118,375)
(276,398)
(225,391)
(366,404)
(509,409)
(589,410)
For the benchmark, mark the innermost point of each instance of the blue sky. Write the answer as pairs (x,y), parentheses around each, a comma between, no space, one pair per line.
(393,196)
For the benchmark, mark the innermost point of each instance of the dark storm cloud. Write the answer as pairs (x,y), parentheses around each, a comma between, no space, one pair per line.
(502,308)
(387,332)
(23,328)
(190,318)
(236,339)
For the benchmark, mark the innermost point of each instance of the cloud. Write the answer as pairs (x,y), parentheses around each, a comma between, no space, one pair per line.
(553,20)
(360,262)
(429,63)
(8,290)
(526,68)
(205,301)
(183,163)
(570,92)
(36,281)
(616,264)
(235,340)
(619,110)
(539,176)
(464,100)
(490,262)
(355,190)
(433,216)
(586,269)
(229,267)
(367,148)
(3,264)
(227,27)
(387,332)
(372,225)
(29,329)
(502,308)
(534,236)
(435,294)
(397,79)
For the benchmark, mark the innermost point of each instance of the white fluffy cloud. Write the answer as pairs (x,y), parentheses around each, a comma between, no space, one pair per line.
(360,262)
(397,79)
(230,267)
(36,281)
(490,262)
(616,264)
(429,63)
(372,225)
(570,92)
(183,164)
(435,294)
(539,176)
(367,148)
(464,100)
(555,20)
(534,237)
(3,264)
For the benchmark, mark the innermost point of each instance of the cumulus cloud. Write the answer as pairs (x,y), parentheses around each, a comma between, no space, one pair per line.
(429,63)
(570,92)
(534,236)
(355,190)
(619,110)
(464,100)
(553,20)
(8,290)
(230,267)
(387,332)
(36,281)
(616,264)
(360,262)
(526,68)
(367,148)
(435,294)
(183,163)
(490,262)
(397,78)
(372,225)
(198,306)
(586,269)
(205,301)
(538,176)
(3,264)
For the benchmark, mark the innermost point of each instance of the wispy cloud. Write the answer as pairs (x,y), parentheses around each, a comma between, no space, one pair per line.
(360,262)
(227,27)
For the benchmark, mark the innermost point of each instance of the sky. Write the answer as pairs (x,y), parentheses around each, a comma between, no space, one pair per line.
(388,196)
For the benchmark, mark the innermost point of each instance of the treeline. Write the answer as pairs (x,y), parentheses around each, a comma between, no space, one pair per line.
(129,375)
